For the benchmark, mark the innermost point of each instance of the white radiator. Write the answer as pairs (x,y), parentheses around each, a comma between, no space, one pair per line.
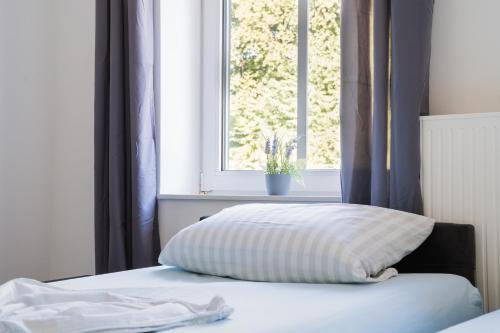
(461,184)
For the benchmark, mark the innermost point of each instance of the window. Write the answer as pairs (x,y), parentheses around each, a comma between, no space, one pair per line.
(270,67)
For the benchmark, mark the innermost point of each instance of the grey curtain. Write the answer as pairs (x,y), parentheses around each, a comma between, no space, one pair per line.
(126,227)
(385,81)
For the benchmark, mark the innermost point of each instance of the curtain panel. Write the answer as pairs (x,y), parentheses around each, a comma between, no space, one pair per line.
(126,226)
(384,89)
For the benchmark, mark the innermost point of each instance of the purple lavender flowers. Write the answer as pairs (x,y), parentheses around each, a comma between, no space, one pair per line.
(267,148)
(276,145)
(279,156)
(290,147)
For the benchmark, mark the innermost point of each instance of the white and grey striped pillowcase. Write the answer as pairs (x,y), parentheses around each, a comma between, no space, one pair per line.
(317,243)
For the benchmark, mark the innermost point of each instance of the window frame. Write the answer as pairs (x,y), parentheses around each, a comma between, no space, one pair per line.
(214,178)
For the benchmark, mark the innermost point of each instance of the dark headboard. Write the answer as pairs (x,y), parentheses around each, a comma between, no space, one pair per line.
(450,248)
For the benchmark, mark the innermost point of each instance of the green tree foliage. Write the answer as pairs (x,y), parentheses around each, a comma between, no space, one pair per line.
(263,80)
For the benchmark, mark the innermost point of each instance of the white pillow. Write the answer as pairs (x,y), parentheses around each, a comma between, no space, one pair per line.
(318,243)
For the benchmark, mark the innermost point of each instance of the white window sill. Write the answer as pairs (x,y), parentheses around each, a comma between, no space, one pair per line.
(252,197)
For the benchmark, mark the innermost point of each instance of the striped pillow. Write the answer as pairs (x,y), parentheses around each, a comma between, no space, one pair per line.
(317,243)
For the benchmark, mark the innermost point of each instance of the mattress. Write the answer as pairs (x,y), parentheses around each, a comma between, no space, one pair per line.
(406,303)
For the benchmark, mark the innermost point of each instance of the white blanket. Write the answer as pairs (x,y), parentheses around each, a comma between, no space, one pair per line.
(31,306)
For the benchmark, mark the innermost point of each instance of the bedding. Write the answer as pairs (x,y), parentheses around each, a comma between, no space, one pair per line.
(316,243)
(488,323)
(407,303)
(28,306)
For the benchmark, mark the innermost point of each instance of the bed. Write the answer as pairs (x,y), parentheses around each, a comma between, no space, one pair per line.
(434,291)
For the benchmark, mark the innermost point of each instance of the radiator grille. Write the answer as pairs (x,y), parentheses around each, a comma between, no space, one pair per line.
(461,184)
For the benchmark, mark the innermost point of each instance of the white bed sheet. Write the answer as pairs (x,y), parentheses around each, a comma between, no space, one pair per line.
(406,303)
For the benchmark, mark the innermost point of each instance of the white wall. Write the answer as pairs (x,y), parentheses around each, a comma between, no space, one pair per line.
(46,112)
(465,65)
(177,214)
(180,94)
(72,233)
(26,105)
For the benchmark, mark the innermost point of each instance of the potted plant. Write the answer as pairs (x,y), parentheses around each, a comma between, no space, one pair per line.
(280,167)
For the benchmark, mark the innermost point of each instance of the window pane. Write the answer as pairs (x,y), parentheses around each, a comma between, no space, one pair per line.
(262,77)
(323,141)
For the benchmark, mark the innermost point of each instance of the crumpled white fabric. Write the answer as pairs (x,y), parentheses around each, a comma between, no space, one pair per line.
(31,306)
